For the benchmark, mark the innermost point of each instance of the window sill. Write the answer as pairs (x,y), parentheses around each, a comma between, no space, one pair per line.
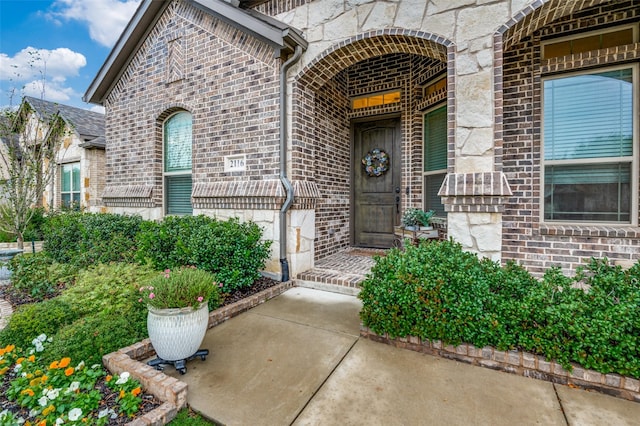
(608,231)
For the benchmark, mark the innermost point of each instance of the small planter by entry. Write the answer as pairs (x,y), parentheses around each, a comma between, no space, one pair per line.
(176,335)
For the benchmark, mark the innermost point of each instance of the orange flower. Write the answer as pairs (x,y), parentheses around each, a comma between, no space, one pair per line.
(43,423)
(32,358)
(35,382)
(19,360)
(122,393)
(27,423)
(109,377)
(136,391)
(48,410)
(27,392)
(44,378)
(3,370)
(69,371)
(64,362)
(53,365)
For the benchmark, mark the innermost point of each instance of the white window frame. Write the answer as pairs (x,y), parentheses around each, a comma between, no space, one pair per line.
(71,191)
(432,172)
(634,157)
(166,174)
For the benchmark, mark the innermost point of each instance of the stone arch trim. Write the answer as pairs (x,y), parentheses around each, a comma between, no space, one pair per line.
(373,43)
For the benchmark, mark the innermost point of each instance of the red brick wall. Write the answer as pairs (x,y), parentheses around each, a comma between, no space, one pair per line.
(525,239)
(225,78)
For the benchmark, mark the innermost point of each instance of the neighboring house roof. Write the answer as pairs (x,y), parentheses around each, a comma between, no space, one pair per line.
(281,37)
(89,125)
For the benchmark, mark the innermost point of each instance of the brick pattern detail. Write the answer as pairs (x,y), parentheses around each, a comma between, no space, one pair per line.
(276,7)
(526,240)
(256,195)
(175,60)
(128,195)
(171,391)
(516,362)
(220,68)
(475,192)
(373,62)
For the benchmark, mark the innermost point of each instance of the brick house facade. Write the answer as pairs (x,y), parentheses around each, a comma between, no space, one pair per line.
(287,97)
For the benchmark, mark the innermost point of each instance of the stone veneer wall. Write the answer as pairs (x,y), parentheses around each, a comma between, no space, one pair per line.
(526,239)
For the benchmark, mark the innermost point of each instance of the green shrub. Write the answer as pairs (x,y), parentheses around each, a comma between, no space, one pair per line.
(35,227)
(38,275)
(111,288)
(91,337)
(29,321)
(232,251)
(83,239)
(437,291)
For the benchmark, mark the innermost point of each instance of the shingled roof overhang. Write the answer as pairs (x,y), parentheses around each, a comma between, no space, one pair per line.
(281,37)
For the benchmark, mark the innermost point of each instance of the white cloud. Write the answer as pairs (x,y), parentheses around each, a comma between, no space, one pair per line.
(31,63)
(105,18)
(97,108)
(50,91)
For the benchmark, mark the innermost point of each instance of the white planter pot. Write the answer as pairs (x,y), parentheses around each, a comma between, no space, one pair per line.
(176,334)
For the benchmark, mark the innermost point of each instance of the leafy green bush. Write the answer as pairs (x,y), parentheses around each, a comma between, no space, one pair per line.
(38,275)
(437,291)
(111,288)
(83,239)
(29,321)
(35,227)
(232,251)
(91,337)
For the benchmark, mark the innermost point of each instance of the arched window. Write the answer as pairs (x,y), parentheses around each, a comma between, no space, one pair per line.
(177,164)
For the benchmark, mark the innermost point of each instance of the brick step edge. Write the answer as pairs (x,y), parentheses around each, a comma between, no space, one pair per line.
(517,362)
(171,391)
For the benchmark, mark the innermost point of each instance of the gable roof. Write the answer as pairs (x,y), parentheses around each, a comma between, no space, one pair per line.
(280,36)
(89,125)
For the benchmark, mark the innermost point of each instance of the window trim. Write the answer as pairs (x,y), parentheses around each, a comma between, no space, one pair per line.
(576,36)
(71,191)
(444,171)
(634,162)
(166,174)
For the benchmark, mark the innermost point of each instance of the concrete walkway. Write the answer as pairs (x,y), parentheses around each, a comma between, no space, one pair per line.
(298,359)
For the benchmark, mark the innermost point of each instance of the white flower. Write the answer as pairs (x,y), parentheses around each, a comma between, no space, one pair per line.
(74,386)
(95,366)
(75,414)
(24,374)
(59,421)
(80,365)
(43,401)
(17,367)
(39,347)
(123,378)
(53,393)
(34,412)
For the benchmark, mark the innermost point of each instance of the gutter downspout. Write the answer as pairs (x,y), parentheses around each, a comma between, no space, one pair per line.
(284,263)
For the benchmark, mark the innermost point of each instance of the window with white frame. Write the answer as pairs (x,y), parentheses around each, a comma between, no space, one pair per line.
(177,164)
(70,185)
(590,146)
(435,158)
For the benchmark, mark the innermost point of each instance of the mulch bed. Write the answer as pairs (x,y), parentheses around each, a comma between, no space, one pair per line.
(149,402)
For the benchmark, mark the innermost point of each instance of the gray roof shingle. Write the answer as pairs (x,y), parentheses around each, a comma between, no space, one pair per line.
(88,124)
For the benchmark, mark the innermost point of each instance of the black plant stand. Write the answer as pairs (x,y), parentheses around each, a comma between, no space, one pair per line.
(180,364)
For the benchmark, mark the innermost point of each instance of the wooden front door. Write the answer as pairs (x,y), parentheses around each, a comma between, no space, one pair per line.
(376,194)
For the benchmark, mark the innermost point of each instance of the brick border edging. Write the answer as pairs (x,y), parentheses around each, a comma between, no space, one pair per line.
(517,362)
(171,391)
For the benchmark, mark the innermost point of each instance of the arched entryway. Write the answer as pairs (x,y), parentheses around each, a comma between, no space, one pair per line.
(366,95)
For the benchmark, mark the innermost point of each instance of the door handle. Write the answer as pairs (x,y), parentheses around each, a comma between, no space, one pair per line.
(398,204)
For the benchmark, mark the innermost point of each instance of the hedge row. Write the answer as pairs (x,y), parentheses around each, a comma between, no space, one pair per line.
(231,250)
(438,291)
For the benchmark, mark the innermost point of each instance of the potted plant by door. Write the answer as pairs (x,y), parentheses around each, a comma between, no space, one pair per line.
(424,219)
(411,219)
(178,314)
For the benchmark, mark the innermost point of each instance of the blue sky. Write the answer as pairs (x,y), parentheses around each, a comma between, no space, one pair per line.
(54,48)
